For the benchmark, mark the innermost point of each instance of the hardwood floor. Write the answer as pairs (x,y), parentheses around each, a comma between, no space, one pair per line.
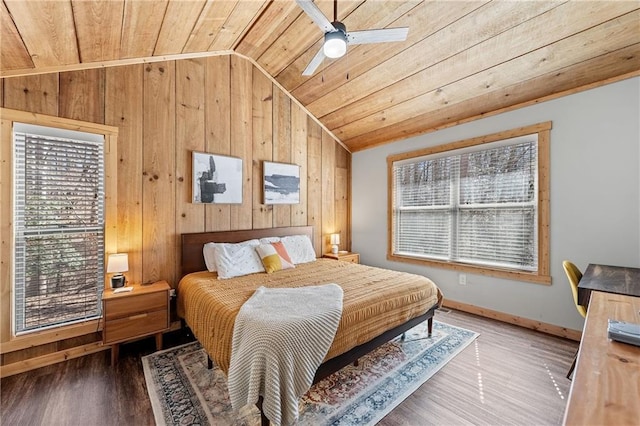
(509,375)
(84,391)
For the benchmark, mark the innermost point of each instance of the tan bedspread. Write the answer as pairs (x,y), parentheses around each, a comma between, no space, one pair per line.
(375,300)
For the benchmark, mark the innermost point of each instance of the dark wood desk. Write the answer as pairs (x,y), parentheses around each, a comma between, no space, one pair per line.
(610,279)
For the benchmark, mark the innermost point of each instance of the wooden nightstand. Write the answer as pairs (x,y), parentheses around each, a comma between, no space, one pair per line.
(344,256)
(137,313)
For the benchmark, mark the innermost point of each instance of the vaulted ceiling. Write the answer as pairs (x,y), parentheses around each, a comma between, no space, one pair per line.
(461,60)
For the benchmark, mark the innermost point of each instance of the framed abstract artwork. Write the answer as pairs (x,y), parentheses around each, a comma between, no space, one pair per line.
(281,183)
(217,179)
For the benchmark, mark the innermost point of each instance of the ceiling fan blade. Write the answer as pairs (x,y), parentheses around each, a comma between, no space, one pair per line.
(316,15)
(315,63)
(378,36)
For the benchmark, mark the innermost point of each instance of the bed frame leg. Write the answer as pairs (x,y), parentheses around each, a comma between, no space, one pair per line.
(403,336)
(430,326)
(264,421)
(209,363)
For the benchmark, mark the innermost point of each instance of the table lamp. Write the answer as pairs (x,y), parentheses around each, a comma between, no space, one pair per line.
(335,242)
(117,264)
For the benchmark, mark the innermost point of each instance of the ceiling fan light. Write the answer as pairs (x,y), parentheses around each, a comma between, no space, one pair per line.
(335,44)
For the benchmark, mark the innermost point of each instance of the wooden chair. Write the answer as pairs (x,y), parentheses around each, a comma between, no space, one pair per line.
(574,275)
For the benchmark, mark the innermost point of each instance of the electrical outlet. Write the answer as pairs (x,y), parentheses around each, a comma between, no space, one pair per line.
(462,279)
(172,292)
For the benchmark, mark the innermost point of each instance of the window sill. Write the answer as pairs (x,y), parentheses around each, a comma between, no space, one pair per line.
(37,338)
(533,277)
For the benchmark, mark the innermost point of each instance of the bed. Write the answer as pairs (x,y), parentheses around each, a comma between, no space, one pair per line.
(378,304)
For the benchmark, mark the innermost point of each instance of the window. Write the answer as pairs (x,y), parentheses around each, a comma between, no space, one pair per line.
(479,204)
(59,229)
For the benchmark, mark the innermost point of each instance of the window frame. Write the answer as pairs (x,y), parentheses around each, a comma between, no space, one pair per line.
(542,275)
(10,341)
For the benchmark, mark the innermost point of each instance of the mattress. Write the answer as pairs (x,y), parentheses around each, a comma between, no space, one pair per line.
(375,300)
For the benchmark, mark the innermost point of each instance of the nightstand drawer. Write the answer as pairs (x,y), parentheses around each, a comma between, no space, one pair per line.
(133,304)
(143,311)
(352,258)
(136,325)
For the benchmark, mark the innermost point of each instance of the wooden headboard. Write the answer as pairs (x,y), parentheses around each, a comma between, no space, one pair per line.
(192,244)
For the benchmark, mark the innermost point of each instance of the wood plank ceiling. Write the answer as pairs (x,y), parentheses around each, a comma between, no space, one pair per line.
(461,60)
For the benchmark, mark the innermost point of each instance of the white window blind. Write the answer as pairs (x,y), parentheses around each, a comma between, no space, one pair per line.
(59,227)
(475,206)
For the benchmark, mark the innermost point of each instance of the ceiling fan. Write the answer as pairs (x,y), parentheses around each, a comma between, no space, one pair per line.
(336,37)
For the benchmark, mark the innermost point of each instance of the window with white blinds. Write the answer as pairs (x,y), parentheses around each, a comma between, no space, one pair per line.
(476,206)
(59,226)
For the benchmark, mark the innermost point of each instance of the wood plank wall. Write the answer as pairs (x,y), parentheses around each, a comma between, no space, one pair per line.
(166,110)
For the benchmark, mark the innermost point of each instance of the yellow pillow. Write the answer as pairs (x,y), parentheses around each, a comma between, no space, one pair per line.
(274,257)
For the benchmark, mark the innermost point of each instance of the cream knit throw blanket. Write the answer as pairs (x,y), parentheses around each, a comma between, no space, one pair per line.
(280,337)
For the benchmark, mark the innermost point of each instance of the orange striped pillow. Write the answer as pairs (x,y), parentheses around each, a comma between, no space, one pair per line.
(274,257)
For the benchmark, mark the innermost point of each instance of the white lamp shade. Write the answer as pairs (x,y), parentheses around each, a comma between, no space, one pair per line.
(117,263)
(334,47)
(335,239)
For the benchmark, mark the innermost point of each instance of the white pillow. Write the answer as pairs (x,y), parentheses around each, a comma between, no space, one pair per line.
(235,260)
(208,251)
(269,240)
(300,248)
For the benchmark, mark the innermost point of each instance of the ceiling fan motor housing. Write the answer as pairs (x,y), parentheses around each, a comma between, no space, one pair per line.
(335,42)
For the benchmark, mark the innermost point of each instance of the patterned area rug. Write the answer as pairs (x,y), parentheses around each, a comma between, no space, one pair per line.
(183,391)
